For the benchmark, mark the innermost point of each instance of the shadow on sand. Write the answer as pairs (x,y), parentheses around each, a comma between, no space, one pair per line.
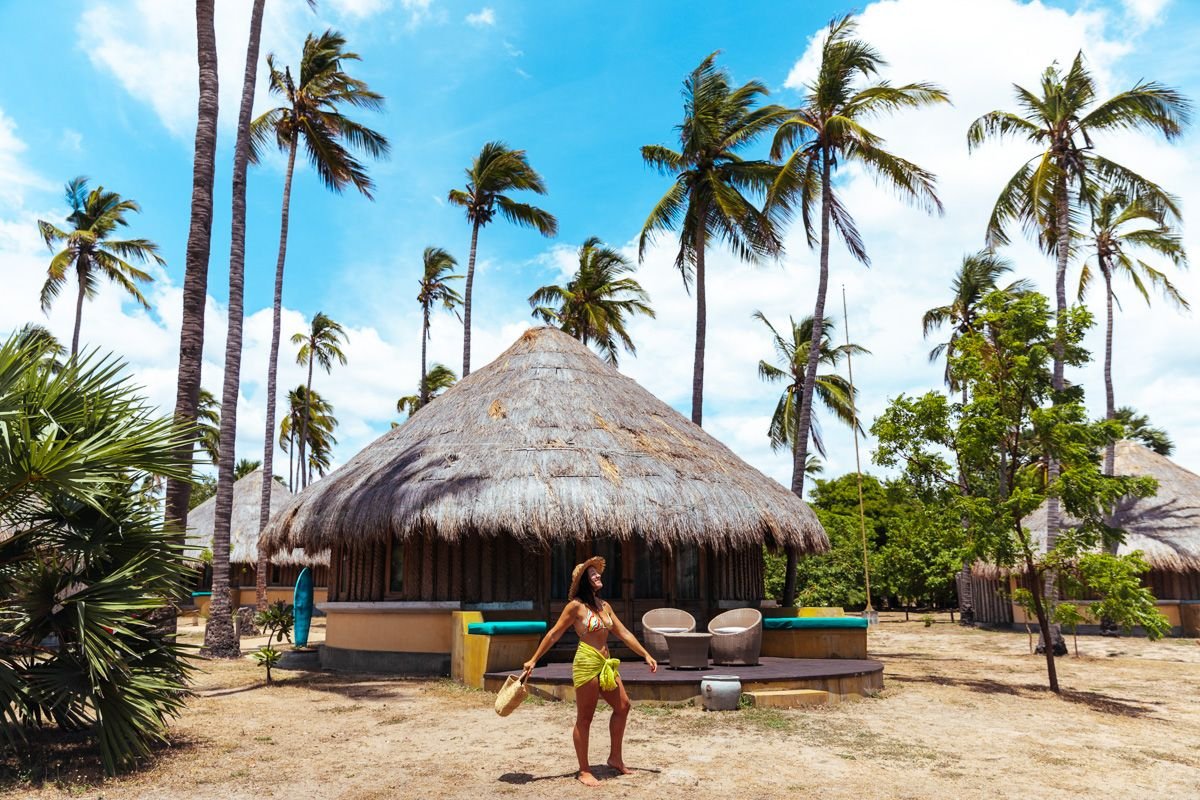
(603,772)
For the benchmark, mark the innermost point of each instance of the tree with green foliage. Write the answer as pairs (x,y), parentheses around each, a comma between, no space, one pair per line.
(435,289)
(1121,226)
(834,391)
(998,445)
(312,115)
(89,249)
(1136,426)
(321,441)
(494,174)
(1050,191)
(320,344)
(595,302)
(714,190)
(826,133)
(208,421)
(437,380)
(85,559)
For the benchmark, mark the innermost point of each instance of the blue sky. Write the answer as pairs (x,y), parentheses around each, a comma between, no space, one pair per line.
(110,93)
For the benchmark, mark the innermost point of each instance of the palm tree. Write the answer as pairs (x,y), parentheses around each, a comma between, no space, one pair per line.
(220,639)
(311,115)
(976,279)
(435,288)
(208,420)
(320,438)
(322,344)
(833,390)
(593,305)
(244,467)
(439,379)
(1118,226)
(195,276)
(95,216)
(708,198)
(828,131)
(1138,428)
(494,173)
(1052,187)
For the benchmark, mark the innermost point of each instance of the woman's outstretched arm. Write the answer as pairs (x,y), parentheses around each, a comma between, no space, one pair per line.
(630,640)
(565,620)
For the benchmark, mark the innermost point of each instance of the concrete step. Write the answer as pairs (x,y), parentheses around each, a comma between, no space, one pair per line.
(788,698)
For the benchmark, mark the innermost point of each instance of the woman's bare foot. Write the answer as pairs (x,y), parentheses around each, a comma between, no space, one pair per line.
(587,779)
(619,766)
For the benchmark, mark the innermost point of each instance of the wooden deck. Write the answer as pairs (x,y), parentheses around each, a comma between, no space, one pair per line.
(841,677)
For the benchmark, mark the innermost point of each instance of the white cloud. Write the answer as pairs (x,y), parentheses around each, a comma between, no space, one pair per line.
(150,47)
(418,11)
(512,49)
(72,140)
(361,8)
(15,177)
(1145,12)
(481,18)
(522,72)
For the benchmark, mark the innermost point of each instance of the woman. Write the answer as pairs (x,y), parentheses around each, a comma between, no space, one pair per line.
(594,673)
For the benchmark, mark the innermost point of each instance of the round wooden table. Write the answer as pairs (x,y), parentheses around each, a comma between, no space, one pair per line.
(688,650)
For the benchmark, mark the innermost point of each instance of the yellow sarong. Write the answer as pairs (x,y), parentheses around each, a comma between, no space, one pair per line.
(590,663)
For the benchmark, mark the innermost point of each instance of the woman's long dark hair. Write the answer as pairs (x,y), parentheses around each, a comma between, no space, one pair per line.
(586,594)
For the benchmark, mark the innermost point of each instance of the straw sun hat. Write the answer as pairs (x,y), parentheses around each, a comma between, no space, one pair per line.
(580,570)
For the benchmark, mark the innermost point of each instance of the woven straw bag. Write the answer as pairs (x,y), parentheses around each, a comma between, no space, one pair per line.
(511,694)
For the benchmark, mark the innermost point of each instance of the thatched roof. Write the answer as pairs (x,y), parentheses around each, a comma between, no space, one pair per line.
(243,528)
(546,443)
(1165,527)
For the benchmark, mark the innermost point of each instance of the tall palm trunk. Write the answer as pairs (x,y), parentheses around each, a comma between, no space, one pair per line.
(1063,252)
(195,277)
(264,509)
(810,371)
(701,326)
(291,461)
(1110,410)
(225,644)
(304,414)
(80,270)
(466,370)
(424,393)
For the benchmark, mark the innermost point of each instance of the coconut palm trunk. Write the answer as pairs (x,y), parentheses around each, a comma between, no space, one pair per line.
(1110,408)
(304,413)
(701,326)
(195,278)
(224,643)
(424,392)
(264,510)
(466,370)
(800,456)
(78,307)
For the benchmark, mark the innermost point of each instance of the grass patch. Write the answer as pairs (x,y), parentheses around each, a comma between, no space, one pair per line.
(344,709)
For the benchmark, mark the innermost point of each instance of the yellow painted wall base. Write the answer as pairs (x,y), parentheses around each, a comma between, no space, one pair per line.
(834,643)
(404,632)
(472,655)
(1171,609)
(244,596)
(459,620)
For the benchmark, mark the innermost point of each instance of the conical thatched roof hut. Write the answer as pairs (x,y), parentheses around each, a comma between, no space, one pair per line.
(548,443)
(1165,527)
(487,497)
(243,528)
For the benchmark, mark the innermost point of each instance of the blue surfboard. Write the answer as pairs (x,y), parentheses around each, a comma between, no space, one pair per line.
(302,606)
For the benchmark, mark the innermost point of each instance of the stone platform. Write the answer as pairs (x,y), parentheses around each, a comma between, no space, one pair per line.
(840,677)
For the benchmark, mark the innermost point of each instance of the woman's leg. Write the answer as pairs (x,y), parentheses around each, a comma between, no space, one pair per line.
(585,707)
(616,726)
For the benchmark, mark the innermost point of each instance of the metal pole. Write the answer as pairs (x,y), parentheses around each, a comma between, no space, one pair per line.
(869,613)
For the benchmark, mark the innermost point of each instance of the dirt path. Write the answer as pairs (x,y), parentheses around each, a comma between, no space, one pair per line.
(963,714)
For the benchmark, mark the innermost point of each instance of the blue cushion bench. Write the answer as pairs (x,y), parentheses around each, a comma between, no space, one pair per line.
(812,623)
(510,628)
(815,637)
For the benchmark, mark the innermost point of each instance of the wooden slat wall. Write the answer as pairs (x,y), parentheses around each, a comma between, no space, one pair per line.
(357,571)
(739,574)
(990,605)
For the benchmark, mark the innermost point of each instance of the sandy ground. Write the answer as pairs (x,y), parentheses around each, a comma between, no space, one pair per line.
(963,714)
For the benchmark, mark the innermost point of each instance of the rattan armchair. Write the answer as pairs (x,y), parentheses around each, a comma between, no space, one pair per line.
(658,622)
(737,637)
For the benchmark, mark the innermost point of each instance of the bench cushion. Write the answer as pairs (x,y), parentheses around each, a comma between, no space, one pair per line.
(513,627)
(812,623)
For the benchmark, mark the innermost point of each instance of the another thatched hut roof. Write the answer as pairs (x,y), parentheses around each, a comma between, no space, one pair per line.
(546,443)
(243,529)
(1165,527)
